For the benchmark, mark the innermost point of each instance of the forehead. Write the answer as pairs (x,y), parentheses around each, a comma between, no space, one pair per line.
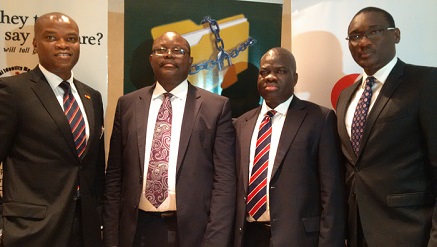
(55,26)
(170,40)
(367,20)
(275,60)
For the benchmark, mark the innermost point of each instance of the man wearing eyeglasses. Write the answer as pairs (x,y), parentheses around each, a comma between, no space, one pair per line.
(170,179)
(387,122)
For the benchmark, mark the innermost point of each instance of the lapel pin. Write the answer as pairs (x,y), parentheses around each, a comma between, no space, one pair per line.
(87,96)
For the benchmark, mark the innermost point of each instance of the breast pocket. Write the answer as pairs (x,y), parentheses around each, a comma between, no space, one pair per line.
(396,117)
(408,199)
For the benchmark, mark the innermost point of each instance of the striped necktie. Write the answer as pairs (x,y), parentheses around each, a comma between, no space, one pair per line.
(257,194)
(75,118)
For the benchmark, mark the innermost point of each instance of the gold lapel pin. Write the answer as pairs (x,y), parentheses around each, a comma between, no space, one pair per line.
(87,96)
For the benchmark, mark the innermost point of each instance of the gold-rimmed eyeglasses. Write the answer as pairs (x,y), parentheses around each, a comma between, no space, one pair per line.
(175,51)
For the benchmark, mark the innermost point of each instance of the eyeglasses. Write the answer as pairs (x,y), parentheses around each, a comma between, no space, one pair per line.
(370,34)
(178,52)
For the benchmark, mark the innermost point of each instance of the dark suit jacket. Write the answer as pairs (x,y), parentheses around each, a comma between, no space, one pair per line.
(391,181)
(41,167)
(205,179)
(307,183)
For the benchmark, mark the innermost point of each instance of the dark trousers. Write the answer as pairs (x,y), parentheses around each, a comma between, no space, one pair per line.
(361,240)
(76,239)
(257,234)
(156,229)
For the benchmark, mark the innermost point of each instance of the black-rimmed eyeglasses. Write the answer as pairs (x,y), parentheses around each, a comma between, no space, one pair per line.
(370,34)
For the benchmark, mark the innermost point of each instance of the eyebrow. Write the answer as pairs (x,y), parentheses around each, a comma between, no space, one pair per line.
(369,28)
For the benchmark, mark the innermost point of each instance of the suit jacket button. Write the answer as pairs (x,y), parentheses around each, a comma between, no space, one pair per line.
(357,169)
(141,179)
(354,195)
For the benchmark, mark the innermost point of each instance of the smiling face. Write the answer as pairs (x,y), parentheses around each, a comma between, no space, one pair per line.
(373,54)
(170,68)
(277,76)
(57,43)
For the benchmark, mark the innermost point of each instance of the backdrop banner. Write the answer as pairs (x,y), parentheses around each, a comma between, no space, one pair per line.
(17,19)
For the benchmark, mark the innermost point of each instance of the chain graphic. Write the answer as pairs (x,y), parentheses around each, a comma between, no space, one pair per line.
(220,46)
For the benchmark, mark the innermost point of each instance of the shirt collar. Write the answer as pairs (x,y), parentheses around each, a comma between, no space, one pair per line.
(180,91)
(281,108)
(53,79)
(382,74)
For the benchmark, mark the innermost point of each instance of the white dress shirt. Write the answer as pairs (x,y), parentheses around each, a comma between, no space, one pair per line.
(178,106)
(277,124)
(54,82)
(380,78)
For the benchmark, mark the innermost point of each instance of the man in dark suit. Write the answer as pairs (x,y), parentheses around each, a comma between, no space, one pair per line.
(51,184)
(392,161)
(300,198)
(189,199)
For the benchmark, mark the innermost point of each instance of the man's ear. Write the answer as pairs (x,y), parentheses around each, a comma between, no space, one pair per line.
(35,48)
(398,35)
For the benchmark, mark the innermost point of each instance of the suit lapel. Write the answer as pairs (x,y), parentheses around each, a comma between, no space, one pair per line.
(295,116)
(45,94)
(341,114)
(192,107)
(142,106)
(245,137)
(389,87)
(87,103)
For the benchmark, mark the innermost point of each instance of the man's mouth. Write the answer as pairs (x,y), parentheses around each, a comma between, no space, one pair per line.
(365,54)
(168,65)
(63,55)
(271,87)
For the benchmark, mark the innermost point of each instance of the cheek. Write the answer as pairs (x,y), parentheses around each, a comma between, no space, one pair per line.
(153,63)
(352,49)
(259,82)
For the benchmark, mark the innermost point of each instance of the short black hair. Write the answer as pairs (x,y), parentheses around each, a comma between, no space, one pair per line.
(387,15)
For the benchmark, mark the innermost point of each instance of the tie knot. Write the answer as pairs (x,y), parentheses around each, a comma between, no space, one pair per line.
(65,85)
(271,113)
(370,81)
(167,95)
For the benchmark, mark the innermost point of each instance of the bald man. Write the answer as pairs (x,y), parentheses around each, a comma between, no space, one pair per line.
(178,190)
(52,171)
(290,184)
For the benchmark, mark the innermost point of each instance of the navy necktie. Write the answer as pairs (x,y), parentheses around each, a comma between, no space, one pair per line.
(75,118)
(360,115)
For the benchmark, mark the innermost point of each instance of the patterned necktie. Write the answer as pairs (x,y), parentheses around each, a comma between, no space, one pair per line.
(157,173)
(257,194)
(360,115)
(75,118)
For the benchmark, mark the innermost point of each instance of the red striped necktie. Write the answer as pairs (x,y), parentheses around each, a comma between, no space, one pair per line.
(75,118)
(257,194)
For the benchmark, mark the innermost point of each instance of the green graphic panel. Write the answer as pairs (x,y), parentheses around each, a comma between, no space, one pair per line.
(146,20)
